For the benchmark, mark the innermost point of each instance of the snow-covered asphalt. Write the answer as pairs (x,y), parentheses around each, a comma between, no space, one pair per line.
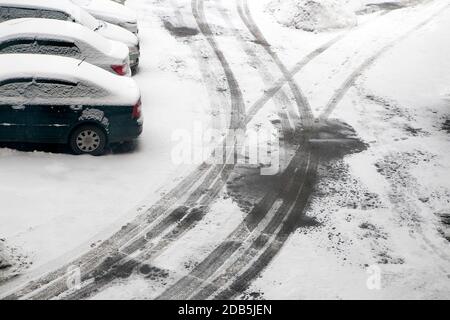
(135,224)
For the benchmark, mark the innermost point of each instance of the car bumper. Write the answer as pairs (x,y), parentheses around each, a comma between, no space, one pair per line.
(134,57)
(132,27)
(128,133)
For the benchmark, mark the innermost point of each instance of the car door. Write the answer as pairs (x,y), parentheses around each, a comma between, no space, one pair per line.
(14,101)
(51,114)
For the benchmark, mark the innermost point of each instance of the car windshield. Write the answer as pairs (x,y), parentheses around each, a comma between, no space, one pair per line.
(89,21)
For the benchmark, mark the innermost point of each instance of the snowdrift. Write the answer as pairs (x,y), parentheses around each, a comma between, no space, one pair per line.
(321,15)
(4,260)
(314,15)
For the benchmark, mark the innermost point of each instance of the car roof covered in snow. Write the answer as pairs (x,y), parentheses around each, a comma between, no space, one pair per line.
(57,5)
(119,90)
(61,5)
(59,29)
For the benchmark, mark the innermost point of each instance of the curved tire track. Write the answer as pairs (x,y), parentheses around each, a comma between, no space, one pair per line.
(350,81)
(255,227)
(108,255)
(184,220)
(302,103)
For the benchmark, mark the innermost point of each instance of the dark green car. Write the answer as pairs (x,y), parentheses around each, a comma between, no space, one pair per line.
(49,99)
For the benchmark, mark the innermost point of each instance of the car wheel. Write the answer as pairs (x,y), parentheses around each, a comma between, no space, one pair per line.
(88,139)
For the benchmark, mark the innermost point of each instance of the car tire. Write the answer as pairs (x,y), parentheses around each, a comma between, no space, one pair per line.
(88,139)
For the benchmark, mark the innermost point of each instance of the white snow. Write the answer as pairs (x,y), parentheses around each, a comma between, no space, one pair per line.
(383,215)
(313,15)
(56,205)
(380,210)
(112,11)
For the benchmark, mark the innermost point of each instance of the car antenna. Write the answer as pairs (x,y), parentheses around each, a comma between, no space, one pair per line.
(82,61)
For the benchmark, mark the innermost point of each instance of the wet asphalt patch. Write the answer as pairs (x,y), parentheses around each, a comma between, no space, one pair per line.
(153,273)
(180,31)
(414,131)
(333,140)
(329,140)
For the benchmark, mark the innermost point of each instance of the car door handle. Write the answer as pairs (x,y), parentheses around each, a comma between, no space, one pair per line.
(76,107)
(20,107)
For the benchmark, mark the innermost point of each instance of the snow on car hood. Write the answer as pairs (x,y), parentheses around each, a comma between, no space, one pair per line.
(113,32)
(109,10)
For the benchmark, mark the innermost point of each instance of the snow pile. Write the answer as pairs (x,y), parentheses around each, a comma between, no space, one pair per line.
(314,15)
(5,261)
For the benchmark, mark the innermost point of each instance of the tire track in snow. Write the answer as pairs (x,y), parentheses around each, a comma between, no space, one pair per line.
(245,246)
(265,218)
(214,182)
(237,100)
(280,98)
(350,81)
(106,248)
(275,213)
(237,277)
(302,103)
(185,225)
(109,253)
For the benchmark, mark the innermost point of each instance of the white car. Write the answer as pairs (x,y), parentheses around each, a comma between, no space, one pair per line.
(111,12)
(56,37)
(66,10)
(51,99)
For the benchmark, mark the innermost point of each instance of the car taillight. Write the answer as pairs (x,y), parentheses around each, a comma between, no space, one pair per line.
(120,69)
(137,109)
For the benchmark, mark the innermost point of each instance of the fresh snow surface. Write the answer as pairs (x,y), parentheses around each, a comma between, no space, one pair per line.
(321,15)
(378,212)
(312,15)
(55,205)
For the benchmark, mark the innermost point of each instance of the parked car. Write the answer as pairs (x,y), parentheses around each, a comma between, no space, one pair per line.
(66,10)
(55,37)
(52,99)
(111,12)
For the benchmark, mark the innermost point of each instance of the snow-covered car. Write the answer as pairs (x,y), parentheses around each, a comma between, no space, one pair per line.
(68,11)
(55,37)
(52,99)
(111,12)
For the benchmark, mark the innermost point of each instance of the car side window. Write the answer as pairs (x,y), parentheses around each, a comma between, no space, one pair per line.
(57,47)
(18,46)
(16,13)
(60,89)
(4,13)
(52,14)
(15,87)
(48,88)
